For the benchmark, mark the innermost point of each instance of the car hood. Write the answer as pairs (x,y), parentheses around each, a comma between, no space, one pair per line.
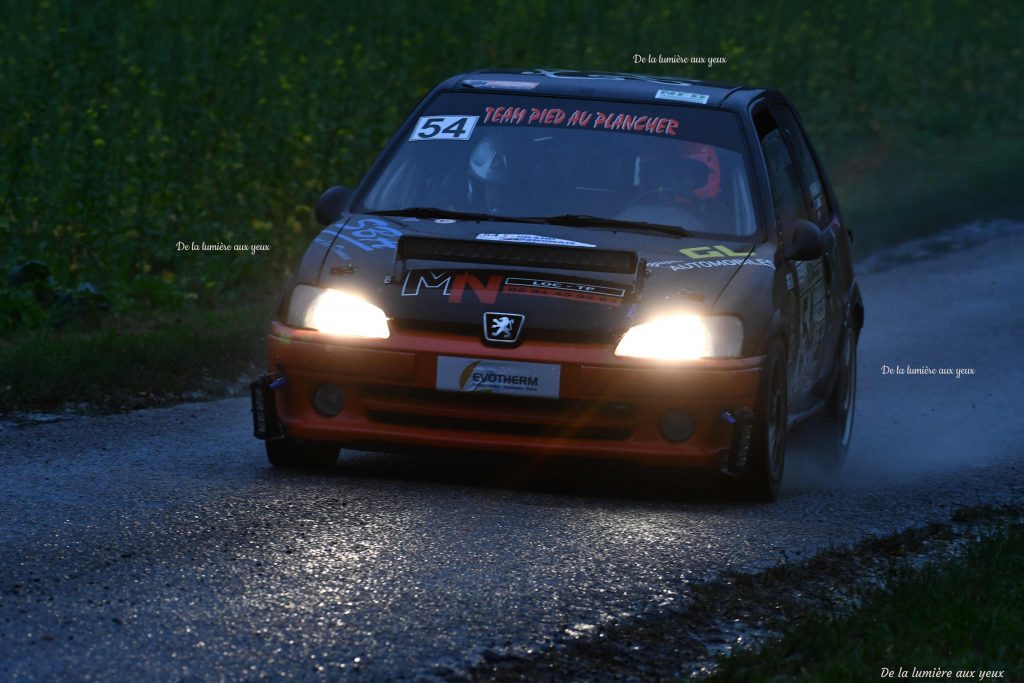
(570,282)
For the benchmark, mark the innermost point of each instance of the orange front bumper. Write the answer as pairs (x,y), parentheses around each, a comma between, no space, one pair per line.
(607,406)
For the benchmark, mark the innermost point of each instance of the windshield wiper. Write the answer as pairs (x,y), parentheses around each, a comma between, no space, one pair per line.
(568,219)
(434,212)
(585,221)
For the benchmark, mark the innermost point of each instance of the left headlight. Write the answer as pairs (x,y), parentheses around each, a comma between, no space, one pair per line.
(683,337)
(335,312)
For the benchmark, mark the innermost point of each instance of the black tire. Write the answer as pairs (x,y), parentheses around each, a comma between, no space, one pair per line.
(768,445)
(835,424)
(288,453)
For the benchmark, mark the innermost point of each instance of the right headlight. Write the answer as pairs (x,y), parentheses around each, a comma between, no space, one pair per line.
(683,337)
(333,311)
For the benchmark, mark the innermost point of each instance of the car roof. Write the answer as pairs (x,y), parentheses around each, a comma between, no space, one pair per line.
(602,84)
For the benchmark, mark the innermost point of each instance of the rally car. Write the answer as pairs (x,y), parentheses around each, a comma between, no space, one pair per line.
(570,263)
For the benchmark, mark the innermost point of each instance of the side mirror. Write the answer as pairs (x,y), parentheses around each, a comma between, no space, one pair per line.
(802,241)
(330,204)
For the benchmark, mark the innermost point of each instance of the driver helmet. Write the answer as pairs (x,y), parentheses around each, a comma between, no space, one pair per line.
(684,174)
(503,172)
(706,154)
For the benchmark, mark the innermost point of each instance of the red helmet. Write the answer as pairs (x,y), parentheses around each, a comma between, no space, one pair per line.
(688,172)
(706,154)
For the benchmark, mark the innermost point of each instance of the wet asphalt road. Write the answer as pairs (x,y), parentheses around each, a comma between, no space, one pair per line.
(160,545)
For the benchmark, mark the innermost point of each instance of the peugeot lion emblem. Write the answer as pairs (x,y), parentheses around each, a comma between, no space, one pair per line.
(503,328)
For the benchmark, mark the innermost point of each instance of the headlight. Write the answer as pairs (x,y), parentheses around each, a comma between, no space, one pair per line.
(683,337)
(335,312)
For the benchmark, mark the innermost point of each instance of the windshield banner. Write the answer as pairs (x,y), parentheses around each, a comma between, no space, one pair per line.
(581,118)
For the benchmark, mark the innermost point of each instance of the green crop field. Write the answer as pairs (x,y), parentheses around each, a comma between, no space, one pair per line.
(127,127)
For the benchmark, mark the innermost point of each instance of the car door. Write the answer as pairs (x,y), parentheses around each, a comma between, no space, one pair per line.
(835,275)
(805,280)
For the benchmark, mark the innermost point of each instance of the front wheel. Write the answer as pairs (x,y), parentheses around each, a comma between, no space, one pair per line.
(768,445)
(288,453)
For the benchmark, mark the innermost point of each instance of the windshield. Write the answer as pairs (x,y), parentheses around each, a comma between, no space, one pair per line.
(517,156)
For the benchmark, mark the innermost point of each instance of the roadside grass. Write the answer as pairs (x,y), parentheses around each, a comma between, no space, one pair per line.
(961,615)
(129,363)
(892,192)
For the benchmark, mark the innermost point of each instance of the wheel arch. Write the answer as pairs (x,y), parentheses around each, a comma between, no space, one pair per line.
(776,329)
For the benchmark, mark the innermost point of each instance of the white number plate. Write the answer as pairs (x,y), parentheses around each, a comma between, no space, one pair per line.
(444,128)
(498,376)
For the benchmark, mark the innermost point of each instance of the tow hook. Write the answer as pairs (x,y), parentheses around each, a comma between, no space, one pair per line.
(265,424)
(736,460)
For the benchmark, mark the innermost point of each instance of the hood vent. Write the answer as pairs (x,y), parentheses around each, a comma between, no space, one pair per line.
(516,255)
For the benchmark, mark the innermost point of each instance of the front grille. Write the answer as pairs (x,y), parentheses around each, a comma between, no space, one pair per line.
(499,427)
(512,254)
(523,415)
(562,408)
(475,331)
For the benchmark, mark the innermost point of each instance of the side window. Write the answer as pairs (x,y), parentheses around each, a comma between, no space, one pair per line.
(811,178)
(783,176)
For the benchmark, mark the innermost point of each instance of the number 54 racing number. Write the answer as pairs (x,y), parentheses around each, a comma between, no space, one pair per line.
(444,128)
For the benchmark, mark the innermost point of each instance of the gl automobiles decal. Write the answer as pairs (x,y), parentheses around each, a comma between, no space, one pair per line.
(711,252)
(694,265)
(733,258)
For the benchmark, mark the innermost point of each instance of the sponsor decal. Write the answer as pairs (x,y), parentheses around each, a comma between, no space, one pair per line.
(485,292)
(697,254)
(810,281)
(444,128)
(681,96)
(511,85)
(575,291)
(455,285)
(497,377)
(418,279)
(452,285)
(716,251)
(720,263)
(503,328)
(581,118)
(367,234)
(529,239)
(326,240)
(576,76)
